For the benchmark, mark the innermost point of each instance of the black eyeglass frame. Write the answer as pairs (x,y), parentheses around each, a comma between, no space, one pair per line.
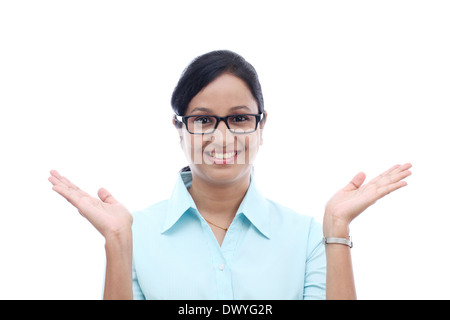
(184,119)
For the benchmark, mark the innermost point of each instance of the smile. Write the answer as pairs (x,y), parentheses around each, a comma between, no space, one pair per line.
(222,158)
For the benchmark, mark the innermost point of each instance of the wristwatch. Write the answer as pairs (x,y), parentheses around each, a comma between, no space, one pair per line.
(339,241)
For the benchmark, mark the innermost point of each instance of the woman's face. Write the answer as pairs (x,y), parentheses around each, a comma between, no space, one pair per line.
(222,157)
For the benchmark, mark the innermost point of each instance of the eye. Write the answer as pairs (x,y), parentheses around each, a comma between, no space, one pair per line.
(239,118)
(203,120)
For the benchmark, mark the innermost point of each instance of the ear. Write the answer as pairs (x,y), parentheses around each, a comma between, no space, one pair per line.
(263,121)
(261,128)
(178,125)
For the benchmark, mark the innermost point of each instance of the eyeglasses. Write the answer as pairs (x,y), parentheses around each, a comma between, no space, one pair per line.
(207,124)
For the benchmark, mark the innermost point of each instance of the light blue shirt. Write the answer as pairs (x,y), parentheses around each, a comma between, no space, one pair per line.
(269,251)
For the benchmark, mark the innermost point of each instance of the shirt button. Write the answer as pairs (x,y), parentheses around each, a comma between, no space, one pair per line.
(221,267)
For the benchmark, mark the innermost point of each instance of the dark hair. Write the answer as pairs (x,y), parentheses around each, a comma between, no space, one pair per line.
(205,68)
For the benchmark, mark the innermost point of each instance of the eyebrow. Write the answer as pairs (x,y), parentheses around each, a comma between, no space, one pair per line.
(209,110)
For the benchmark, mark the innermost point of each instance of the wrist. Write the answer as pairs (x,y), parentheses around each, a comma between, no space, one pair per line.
(119,238)
(334,227)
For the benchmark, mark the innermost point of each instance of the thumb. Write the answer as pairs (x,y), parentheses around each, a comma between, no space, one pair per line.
(106,197)
(356,182)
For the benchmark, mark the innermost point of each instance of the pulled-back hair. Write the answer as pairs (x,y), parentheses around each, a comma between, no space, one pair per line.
(206,68)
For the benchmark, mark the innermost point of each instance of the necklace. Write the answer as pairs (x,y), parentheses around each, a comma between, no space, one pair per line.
(215,225)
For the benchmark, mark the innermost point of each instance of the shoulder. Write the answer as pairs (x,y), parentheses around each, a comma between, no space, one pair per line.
(292,223)
(289,215)
(152,216)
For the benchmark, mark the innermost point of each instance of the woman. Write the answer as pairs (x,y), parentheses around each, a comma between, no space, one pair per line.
(217,237)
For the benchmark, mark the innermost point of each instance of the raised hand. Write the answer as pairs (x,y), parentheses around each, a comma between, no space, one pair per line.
(355,197)
(106,214)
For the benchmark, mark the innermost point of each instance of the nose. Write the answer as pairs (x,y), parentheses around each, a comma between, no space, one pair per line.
(219,135)
(223,138)
(222,126)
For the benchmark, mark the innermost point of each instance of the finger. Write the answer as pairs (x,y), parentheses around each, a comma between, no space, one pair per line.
(382,175)
(66,188)
(69,194)
(397,169)
(400,176)
(106,197)
(356,182)
(55,174)
(56,178)
(69,183)
(403,167)
(400,173)
(53,180)
(385,190)
(390,170)
(380,179)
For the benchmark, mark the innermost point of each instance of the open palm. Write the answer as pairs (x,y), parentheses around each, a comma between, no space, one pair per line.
(106,214)
(355,197)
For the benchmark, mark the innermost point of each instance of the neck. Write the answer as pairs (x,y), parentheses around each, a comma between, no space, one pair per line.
(218,202)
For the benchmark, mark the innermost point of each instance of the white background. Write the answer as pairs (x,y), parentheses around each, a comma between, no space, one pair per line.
(350,86)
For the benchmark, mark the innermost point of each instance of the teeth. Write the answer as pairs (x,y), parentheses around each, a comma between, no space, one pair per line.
(222,155)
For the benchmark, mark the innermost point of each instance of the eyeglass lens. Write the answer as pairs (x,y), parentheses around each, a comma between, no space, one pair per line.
(240,123)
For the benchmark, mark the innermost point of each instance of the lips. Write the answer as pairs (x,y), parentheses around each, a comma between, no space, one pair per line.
(218,155)
(222,158)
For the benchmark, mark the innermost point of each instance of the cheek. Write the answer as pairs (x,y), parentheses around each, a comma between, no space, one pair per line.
(193,147)
(252,146)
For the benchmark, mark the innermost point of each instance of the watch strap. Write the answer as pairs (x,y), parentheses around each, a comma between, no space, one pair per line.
(344,241)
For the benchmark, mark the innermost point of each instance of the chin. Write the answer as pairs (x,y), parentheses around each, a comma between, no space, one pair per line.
(222,174)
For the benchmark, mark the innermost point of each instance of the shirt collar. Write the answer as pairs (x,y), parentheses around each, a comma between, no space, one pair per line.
(254,206)
(180,201)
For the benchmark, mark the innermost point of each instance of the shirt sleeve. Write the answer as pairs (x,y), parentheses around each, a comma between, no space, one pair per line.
(315,271)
